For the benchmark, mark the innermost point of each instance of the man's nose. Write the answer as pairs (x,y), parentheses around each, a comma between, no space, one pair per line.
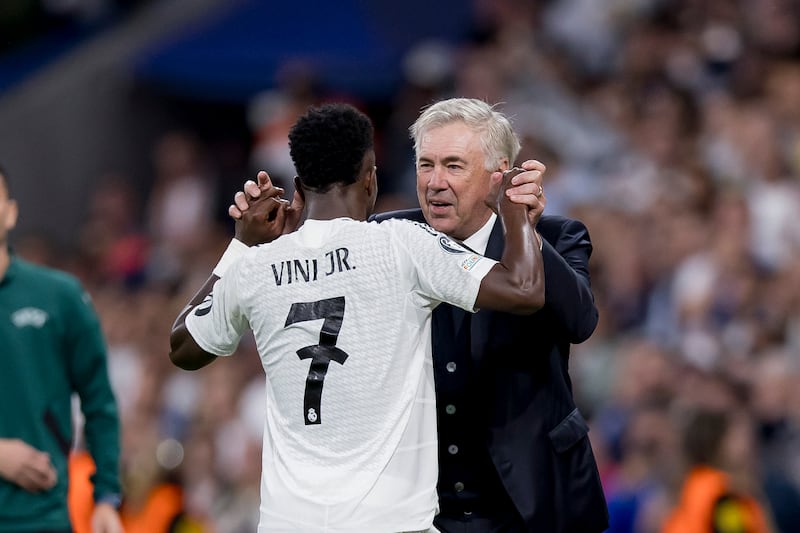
(437,179)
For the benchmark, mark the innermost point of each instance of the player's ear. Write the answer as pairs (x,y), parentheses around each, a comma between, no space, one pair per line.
(371,181)
(298,186)
(371,189)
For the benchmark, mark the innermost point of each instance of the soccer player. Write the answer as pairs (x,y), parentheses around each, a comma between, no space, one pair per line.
(341,313)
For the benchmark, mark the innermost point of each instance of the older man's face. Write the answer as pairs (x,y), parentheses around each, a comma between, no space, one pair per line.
(452,180)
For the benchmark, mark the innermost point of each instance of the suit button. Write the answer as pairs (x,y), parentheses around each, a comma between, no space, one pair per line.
(450,409)
(452,449)
(451,367)
(459,486)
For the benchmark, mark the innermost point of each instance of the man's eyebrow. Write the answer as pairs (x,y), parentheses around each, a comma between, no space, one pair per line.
(445,160)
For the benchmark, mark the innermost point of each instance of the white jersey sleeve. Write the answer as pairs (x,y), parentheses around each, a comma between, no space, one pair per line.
(218,323)
(445,270)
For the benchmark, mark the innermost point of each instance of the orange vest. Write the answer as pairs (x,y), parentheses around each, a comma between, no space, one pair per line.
(707,505)
(163,506)
(79,495)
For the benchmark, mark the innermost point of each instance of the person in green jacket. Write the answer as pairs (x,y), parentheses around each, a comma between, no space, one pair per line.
(51,346)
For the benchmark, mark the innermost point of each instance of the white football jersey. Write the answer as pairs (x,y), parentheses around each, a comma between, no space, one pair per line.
(341,314)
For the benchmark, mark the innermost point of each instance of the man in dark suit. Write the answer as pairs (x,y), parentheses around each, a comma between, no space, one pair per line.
(514,451)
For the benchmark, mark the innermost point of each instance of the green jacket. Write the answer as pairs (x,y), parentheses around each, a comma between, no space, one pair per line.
(51,346)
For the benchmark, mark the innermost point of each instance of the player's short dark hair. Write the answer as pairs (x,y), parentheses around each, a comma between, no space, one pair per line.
(328,144)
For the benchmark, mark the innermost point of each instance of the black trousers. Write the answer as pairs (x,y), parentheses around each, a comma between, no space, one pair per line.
(479,523)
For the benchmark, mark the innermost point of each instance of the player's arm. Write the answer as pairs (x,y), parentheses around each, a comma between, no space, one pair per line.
(184,352)
(516,284)
(262,222)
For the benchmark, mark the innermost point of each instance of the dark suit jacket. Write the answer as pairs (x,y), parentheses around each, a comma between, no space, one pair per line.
(537,438)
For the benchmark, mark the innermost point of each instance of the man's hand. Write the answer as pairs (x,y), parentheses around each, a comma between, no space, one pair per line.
(105,519)
(243,200)
(527,189)
(26,466)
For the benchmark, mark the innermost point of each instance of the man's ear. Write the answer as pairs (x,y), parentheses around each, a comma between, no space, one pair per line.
(298,186)
(371,181)
(10,219)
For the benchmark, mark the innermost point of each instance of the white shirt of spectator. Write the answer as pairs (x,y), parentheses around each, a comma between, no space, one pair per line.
(350,439)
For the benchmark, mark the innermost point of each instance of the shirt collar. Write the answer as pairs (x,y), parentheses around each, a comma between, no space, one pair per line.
(479,240)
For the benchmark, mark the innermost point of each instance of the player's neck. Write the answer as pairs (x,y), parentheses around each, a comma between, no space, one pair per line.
(338,202)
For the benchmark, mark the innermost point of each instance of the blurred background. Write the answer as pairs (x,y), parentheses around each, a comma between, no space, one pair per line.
(670,127)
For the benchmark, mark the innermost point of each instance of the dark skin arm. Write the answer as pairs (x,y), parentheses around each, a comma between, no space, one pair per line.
(262,223)
(516,284)
(184,351)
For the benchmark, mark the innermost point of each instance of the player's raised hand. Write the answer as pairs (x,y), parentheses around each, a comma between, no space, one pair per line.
(243,199)
(500,183)
(527,189)
(251,190)
(264,219)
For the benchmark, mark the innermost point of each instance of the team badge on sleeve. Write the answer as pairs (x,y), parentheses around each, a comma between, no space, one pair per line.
(450,246)
(205,306)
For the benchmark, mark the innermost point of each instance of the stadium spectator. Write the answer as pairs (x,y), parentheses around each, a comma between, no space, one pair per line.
(180,211)
(717,494)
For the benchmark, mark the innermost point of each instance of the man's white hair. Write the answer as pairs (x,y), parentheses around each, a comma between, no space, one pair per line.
(497,137)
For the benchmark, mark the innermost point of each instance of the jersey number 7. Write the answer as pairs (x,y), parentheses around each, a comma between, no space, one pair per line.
(321,355)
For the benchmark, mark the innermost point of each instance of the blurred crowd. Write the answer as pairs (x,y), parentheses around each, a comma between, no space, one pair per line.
(671,128)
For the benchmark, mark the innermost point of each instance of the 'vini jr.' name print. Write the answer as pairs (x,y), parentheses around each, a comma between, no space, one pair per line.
(306,270)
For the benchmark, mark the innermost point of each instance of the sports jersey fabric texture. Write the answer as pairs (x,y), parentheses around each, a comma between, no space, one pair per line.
(341,314)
